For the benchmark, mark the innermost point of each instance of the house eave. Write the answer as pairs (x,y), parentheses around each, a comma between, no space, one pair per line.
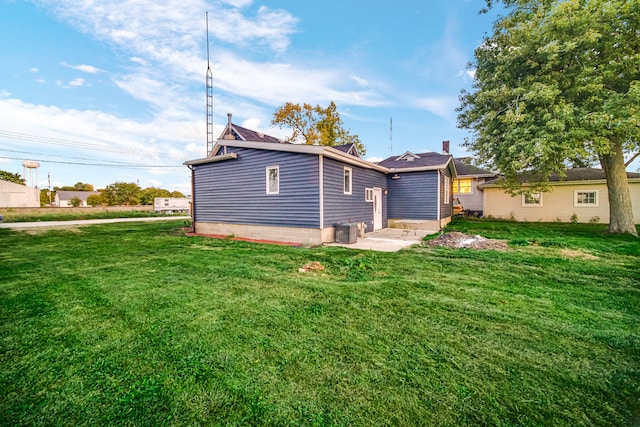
(211,159)
(564,183)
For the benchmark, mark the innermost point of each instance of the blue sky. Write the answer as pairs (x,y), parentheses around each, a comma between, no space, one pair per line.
(108,91)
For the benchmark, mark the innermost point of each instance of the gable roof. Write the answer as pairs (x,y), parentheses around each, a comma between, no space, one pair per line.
(68,195)
(571,175)
(348,148)
(240,133)
(416,162)
(465,169)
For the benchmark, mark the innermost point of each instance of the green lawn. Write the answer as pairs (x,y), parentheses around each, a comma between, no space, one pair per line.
(138,324)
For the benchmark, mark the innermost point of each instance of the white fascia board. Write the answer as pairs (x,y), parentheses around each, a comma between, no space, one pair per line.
(211,159)
(565,183)
(302,148)
(419,169)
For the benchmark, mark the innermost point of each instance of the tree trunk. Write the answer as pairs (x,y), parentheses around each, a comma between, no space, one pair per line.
(620,209)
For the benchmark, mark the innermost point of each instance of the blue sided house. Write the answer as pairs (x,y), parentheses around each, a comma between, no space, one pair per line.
(255,186)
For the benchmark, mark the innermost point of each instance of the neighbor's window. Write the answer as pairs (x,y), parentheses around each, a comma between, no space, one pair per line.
(532,199)
(273,179)
(585,198)
(462,186)
(347,180)
(447,189)
(368,194)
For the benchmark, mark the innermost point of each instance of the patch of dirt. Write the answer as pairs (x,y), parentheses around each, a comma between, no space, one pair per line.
(39,230)
(576,253)
(311,266)
(458,240)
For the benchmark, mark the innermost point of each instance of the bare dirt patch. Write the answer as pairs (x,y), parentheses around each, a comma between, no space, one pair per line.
(576,253)
(457,240)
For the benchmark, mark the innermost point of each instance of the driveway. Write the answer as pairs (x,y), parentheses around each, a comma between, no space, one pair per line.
(388,240)
(81,222)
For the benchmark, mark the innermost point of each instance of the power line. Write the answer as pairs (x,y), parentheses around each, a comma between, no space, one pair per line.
(123,166)
(70,157)
(76,144)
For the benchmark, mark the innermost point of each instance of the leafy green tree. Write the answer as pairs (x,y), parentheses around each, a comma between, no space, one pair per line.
(11,177)
(75,202)
(121,193)
(95,200)
(315,125)
(148,194)
(177,194)
(556,83)
(79,186)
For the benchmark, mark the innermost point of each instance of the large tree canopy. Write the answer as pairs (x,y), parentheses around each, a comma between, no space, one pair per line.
(557,83)
(315,125)
(11,177)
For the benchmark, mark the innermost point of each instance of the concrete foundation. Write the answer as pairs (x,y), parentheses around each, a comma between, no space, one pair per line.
(303,236)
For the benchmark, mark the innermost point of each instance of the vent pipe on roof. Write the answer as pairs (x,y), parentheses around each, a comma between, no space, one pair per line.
(229,134)
(445,147)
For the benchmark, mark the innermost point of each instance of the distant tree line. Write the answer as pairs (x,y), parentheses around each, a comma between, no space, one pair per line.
(116,194)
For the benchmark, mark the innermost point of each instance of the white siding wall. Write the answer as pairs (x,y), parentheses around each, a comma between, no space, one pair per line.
(556,204)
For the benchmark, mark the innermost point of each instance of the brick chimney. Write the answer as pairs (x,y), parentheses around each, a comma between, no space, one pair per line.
(445,147)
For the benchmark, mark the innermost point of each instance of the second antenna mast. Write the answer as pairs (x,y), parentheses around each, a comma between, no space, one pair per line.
(209,97)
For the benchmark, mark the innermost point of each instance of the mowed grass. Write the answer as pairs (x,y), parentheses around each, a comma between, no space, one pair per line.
(138,324)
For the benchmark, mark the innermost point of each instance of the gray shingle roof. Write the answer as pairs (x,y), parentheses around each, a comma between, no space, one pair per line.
(244,134)
(464,168)
(410,160)
(573,174)
(348,148)
(68,195)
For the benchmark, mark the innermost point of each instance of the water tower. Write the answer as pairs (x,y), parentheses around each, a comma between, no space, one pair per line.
(30,165)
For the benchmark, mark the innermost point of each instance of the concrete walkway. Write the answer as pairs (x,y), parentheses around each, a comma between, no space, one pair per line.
(388,240)
(81,222)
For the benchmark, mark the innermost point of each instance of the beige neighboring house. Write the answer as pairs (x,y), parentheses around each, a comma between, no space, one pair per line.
(63,198)
(582,192)
(14,195)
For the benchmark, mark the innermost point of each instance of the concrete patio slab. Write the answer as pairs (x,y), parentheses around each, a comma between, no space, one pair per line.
(388,240)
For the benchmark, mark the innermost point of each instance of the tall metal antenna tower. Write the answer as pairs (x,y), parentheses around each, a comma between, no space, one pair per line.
(391,134)
(209,97)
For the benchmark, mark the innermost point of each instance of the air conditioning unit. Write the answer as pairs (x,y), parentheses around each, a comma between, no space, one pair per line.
(346,232)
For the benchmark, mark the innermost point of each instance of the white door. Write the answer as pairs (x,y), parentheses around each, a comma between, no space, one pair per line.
(377,209)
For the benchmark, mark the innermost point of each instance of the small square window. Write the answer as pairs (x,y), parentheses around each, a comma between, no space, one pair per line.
(585,198)
(347,180)
(532,199)
(273,179)
(368,194)
(462,186)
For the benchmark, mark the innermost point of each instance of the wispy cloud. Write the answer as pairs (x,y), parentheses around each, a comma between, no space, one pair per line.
(443,107)
(83,67)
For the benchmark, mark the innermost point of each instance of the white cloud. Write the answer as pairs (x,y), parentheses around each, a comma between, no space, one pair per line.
(374,159)
(84,68)
(33,70)
(360,81)
(440,106)
(77,82)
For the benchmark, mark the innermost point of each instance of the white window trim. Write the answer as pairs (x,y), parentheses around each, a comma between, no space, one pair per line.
(368,194)
(447,190)
(456,186)
(586,205)
(531,205)
(269,168)
(350,190)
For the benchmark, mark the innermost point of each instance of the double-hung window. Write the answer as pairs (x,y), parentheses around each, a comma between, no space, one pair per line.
(531,199)
(585,198)
(348,178)
(462,186)
(273,180)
